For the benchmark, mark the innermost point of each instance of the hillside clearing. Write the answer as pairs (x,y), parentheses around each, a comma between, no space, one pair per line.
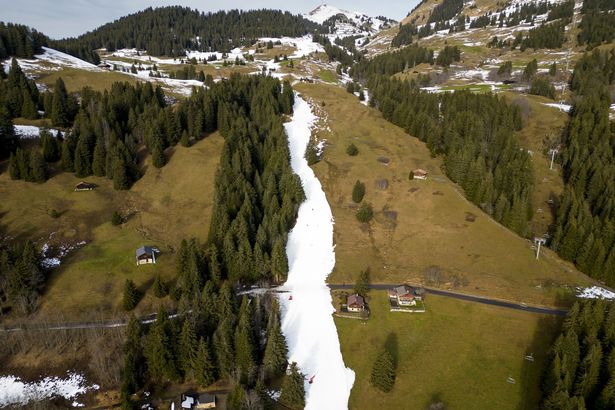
(423,231)
(162,208)
(458,353)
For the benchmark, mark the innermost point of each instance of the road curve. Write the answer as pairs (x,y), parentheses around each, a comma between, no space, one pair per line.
(469,298)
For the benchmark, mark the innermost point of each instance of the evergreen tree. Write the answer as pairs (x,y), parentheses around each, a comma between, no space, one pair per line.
(352,150)
(358,191)
(99,161)
(159,287)
(292,394)
(68,155)
(188,349)
(7,132)
(204,368)
(158,158)
(383,372)
(14,168)
(159,351)
(131,295)
(365,213)
(274,360)
(244,341)
(363,282)
(279,262)
(38,168)
(51,147)
(59,107)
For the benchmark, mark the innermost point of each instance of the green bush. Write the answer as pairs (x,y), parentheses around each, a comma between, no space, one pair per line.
(352,150)
(116,219)
(365,213)
(54,214)
(358,192)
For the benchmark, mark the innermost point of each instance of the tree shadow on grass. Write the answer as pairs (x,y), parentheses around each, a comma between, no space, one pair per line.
(392,346)
(536,359)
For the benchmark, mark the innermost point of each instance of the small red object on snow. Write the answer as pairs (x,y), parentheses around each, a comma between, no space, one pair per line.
(290,297)
(311,379)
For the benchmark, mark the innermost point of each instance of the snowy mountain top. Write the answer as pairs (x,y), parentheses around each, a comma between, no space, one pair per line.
(357,19)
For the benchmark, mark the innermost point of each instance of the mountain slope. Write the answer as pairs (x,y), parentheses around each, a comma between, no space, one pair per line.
(171,31)
(345,23)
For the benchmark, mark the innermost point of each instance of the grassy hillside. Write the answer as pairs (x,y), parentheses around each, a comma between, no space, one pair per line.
(162,208)
(420,225)
(457,353)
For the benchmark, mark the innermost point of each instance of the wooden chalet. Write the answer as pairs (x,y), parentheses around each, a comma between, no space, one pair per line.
(355,303)
(84,186)
(145,255)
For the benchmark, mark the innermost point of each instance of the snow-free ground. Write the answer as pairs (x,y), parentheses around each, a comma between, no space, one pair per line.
(307,321)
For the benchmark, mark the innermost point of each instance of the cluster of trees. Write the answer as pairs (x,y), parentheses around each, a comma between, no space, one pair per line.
(584,230)
(563,10)
(257,195)
(256,202)
(446,10)
(404,35)
(551,35)
(448,55)
(541,85)
(598,23)
(460,126)
(336,52)
(20,41)
(392,63)
(21,277)
(170,31)
(19,96)
(581,369)
(218,339)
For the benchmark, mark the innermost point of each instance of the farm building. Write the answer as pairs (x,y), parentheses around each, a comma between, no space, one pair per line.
(196,401)
(84,186)
(419,174)
(405,295)
(145,255)
(355,303)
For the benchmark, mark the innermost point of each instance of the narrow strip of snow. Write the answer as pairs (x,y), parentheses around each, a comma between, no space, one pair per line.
(595,292)
(307,321)
(561,107)
(31,131)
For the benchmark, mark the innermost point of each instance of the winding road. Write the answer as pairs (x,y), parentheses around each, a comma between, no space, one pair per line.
(469,298)
(333,286)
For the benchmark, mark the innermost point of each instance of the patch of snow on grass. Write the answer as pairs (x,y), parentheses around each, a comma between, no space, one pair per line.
(15,392)
(31,131)
(595,292)
(303,45)
(66,60)
(307,321)
(561,107)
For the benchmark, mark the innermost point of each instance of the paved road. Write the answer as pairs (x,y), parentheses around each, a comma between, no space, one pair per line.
(377,286)
(79,325)
(469,298)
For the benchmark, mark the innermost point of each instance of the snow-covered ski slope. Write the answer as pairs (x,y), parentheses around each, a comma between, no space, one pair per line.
(307,321)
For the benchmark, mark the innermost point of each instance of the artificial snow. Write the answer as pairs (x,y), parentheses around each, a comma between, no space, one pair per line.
(307,321)
(15,392)
(595,292)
